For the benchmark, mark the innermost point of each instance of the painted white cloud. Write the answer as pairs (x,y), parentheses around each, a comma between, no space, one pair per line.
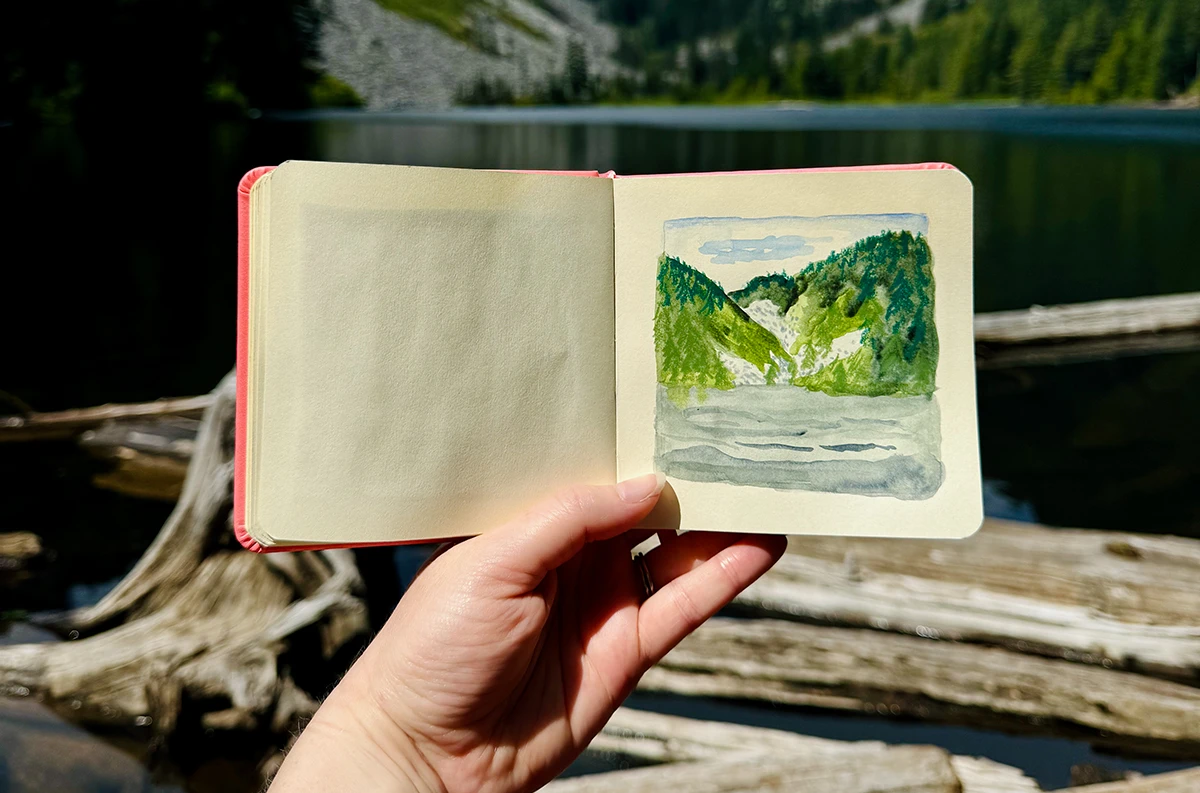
(767,249)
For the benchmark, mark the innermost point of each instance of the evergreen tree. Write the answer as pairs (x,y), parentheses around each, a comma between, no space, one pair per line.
(576,76)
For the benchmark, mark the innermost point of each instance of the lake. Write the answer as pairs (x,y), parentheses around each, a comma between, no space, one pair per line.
(788,438)
(119,284)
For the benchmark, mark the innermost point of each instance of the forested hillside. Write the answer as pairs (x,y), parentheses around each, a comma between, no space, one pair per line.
(1051,50)
(1056,50)
(238,57)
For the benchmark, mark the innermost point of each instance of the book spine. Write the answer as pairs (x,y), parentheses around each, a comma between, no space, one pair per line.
(243,350)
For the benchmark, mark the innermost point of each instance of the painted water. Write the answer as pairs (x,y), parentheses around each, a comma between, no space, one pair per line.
(788,438)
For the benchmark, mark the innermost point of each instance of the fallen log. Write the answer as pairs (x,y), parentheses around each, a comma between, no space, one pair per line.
(17,548)
(722,756)
(148,457)
(197,619)
(68,423)
(1122,317)
(16,551)
(1187,781)
(887,674)
(1087,331)
(1104,598)
(904,769)
(658,738)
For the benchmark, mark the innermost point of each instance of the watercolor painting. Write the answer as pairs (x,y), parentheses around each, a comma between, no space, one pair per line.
(799,353)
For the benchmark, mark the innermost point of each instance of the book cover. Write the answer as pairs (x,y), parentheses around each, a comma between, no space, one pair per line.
(423,351)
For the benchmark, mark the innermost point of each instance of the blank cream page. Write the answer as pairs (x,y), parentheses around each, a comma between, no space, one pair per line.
(794,350)
(433,349)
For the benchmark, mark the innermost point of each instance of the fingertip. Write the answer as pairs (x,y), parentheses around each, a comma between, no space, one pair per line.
(750,557)
(775,544)
(641,488)
(774,547)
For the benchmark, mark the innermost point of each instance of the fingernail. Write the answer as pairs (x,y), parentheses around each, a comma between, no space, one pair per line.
(641,488)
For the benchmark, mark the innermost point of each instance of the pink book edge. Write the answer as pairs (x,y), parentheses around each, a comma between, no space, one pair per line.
(243,327)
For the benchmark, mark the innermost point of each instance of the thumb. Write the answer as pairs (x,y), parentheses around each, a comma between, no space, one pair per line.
(555,530)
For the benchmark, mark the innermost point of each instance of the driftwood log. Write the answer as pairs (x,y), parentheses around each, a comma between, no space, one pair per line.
(18,547)
(1177,782)
(148,457)
(16,550)
(197,619)
(1109,599)
(661,739)
(1087,331)
(693,755)
(888,674)
(1124,317)
(68,423)
(902,769)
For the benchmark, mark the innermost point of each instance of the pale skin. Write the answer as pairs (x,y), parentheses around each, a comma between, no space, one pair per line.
(511,650)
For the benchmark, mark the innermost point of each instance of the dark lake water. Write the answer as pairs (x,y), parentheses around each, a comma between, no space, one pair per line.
(119,274)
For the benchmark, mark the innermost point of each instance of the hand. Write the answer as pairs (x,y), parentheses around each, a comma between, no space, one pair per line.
(511,650)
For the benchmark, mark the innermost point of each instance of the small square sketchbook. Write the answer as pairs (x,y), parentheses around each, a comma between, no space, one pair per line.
(425,352)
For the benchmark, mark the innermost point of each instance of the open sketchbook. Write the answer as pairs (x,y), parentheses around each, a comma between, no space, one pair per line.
(423,352)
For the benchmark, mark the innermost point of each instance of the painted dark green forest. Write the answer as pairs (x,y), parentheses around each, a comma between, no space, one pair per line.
(857,323)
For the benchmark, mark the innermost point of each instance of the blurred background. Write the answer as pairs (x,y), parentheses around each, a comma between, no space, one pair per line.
(126,124)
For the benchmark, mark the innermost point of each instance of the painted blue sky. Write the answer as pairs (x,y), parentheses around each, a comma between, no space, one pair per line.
(734,250)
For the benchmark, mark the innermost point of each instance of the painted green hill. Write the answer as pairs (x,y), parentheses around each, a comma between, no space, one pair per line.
(863,318)
(694,320)
(882,285)
(779,288)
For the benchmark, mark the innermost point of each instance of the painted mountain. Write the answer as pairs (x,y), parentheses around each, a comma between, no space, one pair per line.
(822,379)
(860,322)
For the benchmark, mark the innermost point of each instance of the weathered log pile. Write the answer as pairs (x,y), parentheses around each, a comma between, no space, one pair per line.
(197,620)
(1081,633)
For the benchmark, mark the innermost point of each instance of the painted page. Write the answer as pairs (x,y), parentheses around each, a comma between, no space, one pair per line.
(431,349)
(795,351)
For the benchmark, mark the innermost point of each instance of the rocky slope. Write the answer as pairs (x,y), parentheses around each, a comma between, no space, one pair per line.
(394,58)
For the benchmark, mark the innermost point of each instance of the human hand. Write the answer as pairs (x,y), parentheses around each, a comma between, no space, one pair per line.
(512,649)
